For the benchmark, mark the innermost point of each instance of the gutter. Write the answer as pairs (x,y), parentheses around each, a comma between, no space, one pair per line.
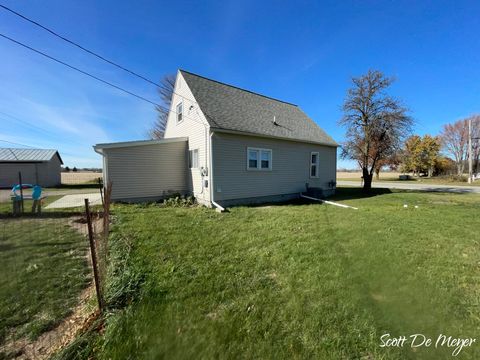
(219,207)
(99,150)
(123,144)
(245,133)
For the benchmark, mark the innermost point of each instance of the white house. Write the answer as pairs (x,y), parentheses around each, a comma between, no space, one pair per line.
(226,146)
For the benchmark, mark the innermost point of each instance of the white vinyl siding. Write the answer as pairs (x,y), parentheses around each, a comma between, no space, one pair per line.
(314,161)
(148,171)
(195,127)
(289,174)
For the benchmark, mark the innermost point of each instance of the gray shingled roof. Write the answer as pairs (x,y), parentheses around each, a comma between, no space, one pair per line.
(230,108)
(27,155)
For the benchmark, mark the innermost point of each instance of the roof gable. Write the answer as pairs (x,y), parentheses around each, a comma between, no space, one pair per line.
(28,155)
(230,108)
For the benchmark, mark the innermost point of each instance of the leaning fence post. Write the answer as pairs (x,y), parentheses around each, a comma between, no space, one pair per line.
(94,256)
(21,190)
(100,185)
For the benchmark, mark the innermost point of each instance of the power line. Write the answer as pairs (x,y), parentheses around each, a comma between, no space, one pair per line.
(14,143)
(26,123)
(80,46)
(34,127)
(93,76)
(36,147)
(79,70)
(90,51)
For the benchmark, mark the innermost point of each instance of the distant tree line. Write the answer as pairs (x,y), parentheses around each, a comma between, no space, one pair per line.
(444,154)
(74,169)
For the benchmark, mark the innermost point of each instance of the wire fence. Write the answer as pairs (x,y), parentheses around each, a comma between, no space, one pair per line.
(53,256)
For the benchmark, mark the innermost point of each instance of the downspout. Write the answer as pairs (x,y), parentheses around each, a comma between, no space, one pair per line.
(212,200)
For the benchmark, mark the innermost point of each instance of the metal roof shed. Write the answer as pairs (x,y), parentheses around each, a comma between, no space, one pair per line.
(38,166)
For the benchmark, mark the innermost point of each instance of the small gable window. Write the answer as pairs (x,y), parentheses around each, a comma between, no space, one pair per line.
(259,159)
(314,164)
(193,159)
(179,111)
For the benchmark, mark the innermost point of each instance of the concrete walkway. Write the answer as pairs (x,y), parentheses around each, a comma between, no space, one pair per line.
(75,200)
(413,186)
(5,193)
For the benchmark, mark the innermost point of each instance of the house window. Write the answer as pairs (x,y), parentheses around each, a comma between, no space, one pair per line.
(314,164)
(193,159)
(179,113)
(259,159)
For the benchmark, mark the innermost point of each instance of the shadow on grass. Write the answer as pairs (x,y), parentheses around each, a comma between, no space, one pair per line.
(43,215)
(343,193)
(293,202)
(346,193)
(90,185)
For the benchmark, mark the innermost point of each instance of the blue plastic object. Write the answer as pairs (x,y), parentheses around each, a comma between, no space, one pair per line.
(36,191)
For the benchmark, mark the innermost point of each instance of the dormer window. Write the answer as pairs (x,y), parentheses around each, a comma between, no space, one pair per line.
(179,113)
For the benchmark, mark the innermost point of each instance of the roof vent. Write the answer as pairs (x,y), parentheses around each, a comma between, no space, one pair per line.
(275,120)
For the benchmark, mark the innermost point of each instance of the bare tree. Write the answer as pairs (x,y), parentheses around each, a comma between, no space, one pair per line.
(165,90)
(376,123)
(454,139)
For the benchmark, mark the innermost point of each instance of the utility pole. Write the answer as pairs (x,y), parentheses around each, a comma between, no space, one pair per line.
(470,150)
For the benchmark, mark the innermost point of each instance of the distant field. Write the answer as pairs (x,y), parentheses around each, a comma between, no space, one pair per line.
(71,178)
(343,175)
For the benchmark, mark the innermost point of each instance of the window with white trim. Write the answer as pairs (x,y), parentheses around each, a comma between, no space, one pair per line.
(259,159)
(193,159)
(314,164)
(179,111)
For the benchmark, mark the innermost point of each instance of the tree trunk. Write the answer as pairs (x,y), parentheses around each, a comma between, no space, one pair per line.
(367,180)
(430,171)
(377,173)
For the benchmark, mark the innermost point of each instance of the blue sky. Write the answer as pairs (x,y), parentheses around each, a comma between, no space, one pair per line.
(303,52)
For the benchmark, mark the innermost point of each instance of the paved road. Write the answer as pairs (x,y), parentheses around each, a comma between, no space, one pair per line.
(412,186)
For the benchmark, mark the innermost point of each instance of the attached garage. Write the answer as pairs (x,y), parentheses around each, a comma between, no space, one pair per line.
(145,170)
(37,166)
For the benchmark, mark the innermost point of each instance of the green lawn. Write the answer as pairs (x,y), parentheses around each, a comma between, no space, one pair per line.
(293,281)
(44,268)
